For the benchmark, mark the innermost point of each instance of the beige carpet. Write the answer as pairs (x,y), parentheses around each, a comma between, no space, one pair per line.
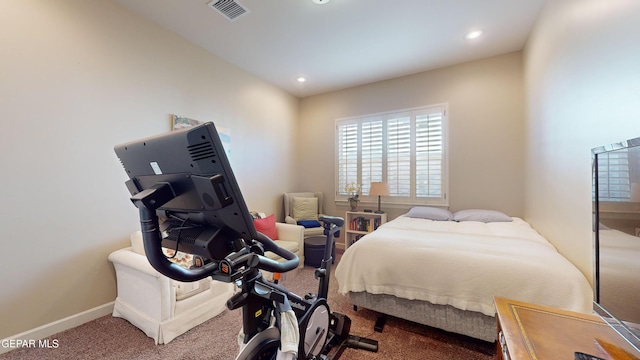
(114,338)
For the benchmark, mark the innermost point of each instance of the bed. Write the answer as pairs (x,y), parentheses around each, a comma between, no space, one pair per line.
(443,271)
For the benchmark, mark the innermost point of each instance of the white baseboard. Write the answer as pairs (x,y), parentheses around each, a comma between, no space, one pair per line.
(57,326)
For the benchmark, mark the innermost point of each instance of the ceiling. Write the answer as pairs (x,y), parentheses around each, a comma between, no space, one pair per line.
(345,43)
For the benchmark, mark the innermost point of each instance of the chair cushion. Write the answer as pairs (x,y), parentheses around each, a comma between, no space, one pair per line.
(305,208)
(185,290)
(292,246)
(267,226)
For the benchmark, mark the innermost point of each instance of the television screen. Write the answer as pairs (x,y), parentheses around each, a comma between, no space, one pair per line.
(616,200)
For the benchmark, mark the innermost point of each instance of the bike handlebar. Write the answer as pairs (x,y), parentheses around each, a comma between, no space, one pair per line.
(264,263)
(153,248)
(335,220)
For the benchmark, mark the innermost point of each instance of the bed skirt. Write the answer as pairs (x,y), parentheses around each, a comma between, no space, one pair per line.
(445,317)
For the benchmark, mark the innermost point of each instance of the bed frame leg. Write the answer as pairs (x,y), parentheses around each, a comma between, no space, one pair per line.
(380,321)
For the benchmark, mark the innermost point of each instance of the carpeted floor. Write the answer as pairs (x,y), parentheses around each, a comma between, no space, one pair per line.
(115,338)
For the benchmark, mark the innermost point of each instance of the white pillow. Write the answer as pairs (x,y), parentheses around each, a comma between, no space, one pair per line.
(305,208)
(431,213)
(481,215)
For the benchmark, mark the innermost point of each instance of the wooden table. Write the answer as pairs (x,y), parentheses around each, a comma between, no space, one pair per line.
(536,332)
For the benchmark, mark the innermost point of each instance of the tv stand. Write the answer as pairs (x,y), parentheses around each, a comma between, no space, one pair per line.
(529,331)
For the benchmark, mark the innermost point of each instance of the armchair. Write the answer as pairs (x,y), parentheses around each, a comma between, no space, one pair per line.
(304,206)
(288,236)
(161,307)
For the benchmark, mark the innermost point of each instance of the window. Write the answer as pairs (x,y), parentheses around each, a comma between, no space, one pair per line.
(406,149)
(613,176)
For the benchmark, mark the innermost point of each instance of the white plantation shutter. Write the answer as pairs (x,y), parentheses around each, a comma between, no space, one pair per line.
(429,154)
(399,156)
(372,153)
(347,155)
(614,183)
(405,149)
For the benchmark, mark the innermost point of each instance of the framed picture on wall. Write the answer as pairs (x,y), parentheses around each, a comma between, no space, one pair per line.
(180,122)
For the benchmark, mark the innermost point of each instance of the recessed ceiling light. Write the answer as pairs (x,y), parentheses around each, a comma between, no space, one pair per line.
(301,79)
(474,34)
(320,2)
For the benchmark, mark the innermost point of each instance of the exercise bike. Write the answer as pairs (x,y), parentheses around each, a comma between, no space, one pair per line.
(322,335)
(184,179)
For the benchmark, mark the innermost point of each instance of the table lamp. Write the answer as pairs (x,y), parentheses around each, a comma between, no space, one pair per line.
(379,189)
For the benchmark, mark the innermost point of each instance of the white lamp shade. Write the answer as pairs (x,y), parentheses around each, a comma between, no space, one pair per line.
(379,189)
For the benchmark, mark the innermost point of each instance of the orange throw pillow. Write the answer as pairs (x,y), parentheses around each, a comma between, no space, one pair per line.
(267,226)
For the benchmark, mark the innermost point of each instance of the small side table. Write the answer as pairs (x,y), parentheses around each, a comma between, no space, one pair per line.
(314,250)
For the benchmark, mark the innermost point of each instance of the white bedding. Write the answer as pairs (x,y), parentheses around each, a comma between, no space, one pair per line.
(463,264)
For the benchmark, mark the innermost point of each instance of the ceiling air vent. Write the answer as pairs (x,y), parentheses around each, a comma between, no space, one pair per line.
(231,9)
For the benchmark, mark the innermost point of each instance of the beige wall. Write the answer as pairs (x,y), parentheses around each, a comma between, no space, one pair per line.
(76,78)
(582,79)
(486,131)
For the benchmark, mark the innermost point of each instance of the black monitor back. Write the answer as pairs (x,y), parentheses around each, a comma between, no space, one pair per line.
(194,163)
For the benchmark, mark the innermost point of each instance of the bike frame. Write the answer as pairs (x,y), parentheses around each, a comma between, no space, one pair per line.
(258,296)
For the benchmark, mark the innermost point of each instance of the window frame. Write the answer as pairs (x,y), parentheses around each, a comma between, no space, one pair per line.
(395,201)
